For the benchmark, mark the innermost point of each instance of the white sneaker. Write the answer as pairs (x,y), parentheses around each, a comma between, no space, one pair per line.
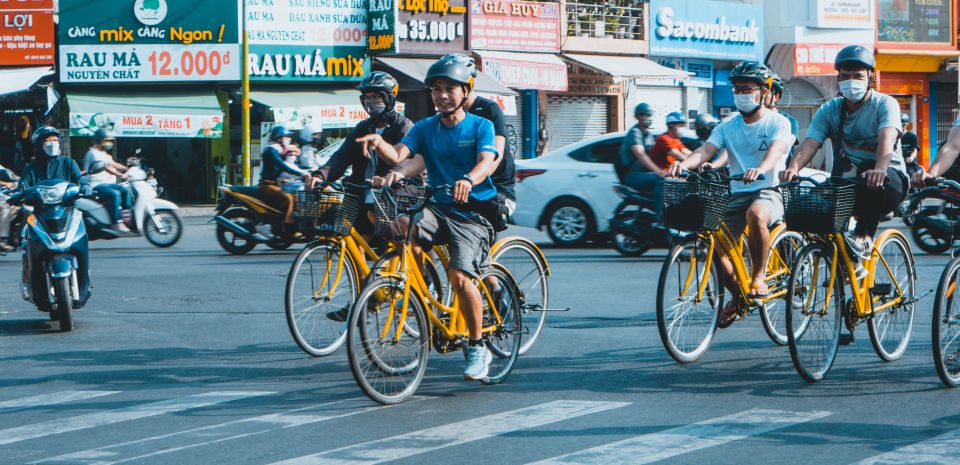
(478,362)
(861,248)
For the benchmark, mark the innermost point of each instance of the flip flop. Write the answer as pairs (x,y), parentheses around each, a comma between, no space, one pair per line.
(725,321)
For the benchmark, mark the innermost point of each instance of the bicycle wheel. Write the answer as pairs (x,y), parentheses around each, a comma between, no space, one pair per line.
(890,328)
(686,318)
(522,259)
(813,322)
(505,339)
(387,364)
(946,326)
(773,314)
(319,294)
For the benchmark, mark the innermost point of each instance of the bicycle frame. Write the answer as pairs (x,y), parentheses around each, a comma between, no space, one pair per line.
(357,248)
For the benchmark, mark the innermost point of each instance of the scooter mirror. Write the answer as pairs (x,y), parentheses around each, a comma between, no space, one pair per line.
(97,167)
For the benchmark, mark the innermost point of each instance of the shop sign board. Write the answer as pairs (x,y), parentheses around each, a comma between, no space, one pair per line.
(26,32)
(706,29)
(307,40)
(382,18)
(526,74)
(432,26)
(515,26)
(208,126)
(346,115)
(916,21)
(815,59)
(844,14)
(149,41)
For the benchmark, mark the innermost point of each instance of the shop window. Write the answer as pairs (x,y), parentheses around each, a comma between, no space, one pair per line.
(601,152)
(612,19)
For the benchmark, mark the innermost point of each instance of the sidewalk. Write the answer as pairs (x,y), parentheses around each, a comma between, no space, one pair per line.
(191,210)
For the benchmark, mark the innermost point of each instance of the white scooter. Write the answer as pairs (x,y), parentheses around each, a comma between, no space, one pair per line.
(154,218)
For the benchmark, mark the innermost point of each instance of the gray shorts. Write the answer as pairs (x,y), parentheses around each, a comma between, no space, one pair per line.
(736,218)
(467,240)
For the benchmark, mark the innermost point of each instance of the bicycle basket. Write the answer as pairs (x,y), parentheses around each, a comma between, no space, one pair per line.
(693,206)
(820,209)
(392,203)
(332,212)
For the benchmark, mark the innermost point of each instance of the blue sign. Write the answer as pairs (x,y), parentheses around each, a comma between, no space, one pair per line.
(706,29)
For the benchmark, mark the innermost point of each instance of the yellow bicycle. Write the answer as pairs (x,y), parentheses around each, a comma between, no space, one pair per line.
(884,297)
(690,294)
(390,330)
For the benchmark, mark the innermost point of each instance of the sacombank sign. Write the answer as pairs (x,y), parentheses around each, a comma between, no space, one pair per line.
(697,29)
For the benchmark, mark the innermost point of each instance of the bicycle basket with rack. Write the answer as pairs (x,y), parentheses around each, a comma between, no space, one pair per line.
(331,211)
(818,209)
(391,203)
(693,205)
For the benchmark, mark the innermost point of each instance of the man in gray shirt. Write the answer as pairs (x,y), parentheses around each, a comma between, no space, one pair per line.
(865,146)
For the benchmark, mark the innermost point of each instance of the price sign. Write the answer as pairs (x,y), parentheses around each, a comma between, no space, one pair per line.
(83,63)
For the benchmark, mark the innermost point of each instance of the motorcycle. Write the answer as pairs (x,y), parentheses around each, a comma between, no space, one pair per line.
(155,219)
(20,217)
(244,220)
(933,226)
(56,273)
(635,227)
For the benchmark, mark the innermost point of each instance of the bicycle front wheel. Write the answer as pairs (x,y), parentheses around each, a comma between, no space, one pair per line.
(946,326)
(815,304)
(689,299)
(890,328)
(783,250)
(504,337)
(319,293)
(387,361)
(522,259)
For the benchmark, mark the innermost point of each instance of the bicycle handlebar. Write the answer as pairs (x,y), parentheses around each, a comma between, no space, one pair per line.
(713,176)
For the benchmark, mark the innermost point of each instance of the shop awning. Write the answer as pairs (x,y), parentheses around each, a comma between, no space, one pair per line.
(907,61)
(296,99)
(17,80)
(141,113)
(320,108)
(541,71)
(627,67)
(416,69)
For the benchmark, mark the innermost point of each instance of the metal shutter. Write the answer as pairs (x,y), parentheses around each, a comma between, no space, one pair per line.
(946,109)
(706,101)
(800,93)
(515,130)
(573,118)
(664,100)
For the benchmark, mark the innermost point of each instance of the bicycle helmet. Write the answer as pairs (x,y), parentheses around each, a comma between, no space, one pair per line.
(465,59)
(643,109)
(454,67)
(777,86)
(383,83)
(855,56)
(753,71)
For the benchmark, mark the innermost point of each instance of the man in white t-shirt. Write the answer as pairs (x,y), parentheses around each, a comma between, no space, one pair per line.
(104,183)
(757,141)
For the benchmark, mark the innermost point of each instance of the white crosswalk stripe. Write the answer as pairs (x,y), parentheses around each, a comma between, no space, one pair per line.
(92,420)
(407,445)
(53,398)
(207,435)
(681,440)
(943,449)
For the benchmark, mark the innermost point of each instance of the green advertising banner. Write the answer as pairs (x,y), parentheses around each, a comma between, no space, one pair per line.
(149,40)
(382,18)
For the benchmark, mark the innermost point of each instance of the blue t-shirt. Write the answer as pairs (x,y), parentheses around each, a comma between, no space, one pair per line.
(450,153)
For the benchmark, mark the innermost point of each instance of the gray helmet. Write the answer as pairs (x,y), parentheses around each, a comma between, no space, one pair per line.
(101,134)
(753,71)
(676,118)
(455,68)
(305,135)
(856,56)
(643,109)
(904,118)
(383,83)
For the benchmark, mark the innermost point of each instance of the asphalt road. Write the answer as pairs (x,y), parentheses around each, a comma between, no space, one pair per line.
(183,356)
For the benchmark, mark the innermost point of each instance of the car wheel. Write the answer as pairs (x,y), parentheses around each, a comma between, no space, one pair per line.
(569,222)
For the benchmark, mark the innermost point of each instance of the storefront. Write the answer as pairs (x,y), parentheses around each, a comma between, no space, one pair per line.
(108,50)
(701,39)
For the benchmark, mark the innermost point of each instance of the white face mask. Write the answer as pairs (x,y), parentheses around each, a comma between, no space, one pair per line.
(52,149)
(746,103)
(853,89)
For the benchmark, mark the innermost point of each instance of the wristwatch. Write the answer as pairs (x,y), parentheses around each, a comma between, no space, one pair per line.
(468,178)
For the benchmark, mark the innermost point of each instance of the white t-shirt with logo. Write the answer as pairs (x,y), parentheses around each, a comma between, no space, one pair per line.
(747,146)
(94,155)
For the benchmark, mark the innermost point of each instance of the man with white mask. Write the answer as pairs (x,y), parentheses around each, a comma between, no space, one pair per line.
(864,126)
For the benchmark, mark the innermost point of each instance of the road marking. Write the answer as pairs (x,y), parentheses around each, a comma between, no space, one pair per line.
(54,398)
(407,445)
(207,435)
(938,450)
(92,420)
(688,438)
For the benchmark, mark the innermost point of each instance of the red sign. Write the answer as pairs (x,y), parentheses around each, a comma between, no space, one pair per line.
(815,59)
(533,73)
(515,25)
(26,32)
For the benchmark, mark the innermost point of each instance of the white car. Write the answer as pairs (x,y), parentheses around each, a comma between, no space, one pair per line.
(569,191)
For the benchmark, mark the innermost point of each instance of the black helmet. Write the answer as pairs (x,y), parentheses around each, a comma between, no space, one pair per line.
(454,67)
(777,85)
(904,118)
(754,71)
(704,125)
(279,132)
(643,109)
(43,133)
(676,118)
(856,56)
(101,134)
(385,84)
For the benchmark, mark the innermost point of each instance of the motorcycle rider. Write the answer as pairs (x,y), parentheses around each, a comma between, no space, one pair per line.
(274,166)
(909,144)
(113,195)
(668,146)
(459,149)
(7,212)
(311,142)
(634,166)
(774,97)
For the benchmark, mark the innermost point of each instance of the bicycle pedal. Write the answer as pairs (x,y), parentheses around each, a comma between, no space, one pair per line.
(882,289)
(846,339)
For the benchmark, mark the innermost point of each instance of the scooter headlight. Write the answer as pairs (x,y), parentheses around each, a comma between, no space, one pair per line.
(52,195)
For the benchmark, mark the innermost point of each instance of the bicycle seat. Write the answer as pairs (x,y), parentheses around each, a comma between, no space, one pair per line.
(632,195)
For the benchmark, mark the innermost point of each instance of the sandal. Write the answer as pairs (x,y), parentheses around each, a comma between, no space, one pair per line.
(728,315)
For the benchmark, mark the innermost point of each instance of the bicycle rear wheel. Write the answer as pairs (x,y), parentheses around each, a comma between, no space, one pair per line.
(387,363)
(505,339)
(813,319)
(773,314)
(890,329)
(522,259)
(686,318)
(318,296)
(946,326)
